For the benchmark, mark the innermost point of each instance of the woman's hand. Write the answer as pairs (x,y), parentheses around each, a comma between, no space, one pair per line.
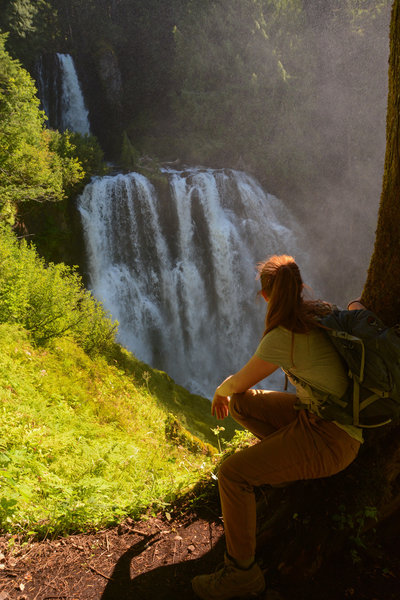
(220,403)
(252,372)
(220,406)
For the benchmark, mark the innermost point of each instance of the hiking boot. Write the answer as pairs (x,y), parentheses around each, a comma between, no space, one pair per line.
(230,582)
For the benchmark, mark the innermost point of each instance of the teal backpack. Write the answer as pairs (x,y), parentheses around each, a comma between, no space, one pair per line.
(371,352)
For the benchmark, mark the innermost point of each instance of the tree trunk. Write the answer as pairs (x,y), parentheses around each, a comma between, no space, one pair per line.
(302,526)
(382,288)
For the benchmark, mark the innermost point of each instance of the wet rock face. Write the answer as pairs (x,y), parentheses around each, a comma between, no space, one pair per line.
(46,73)
(110,76)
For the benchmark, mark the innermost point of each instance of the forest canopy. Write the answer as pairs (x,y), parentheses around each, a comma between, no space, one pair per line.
(281,88)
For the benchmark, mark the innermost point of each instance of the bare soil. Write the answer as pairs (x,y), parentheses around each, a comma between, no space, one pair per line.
(156,559)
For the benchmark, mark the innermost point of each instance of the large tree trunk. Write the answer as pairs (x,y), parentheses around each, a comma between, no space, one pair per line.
(382,288)
(301,526)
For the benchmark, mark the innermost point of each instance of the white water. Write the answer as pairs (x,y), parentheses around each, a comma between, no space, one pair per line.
(74,115)
(179,273)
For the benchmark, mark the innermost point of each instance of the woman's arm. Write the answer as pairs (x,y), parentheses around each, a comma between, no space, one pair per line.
(252,372)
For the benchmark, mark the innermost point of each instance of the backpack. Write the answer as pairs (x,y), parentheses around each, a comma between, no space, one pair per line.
(371,352)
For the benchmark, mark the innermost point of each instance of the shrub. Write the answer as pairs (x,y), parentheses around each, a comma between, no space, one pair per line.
(49,300)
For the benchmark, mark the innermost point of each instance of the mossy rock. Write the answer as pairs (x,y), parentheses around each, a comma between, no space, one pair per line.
(177,434)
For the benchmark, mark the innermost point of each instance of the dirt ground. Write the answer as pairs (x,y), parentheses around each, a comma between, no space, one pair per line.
(155,559)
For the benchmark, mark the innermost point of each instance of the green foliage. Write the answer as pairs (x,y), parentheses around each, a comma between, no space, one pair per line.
(30,23)
(49,300)
(362,12)
(28,168)
(253,85)
(72,172)
(193,412)
(129,155)
(232,72)
(36,164)
(87,150)
(80,158)
(241,83)
(54,226)
(175,432)
(217,432)
(20,15)
(83,444)
(355,522)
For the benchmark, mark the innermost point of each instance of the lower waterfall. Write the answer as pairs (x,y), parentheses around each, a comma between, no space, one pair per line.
(177,269)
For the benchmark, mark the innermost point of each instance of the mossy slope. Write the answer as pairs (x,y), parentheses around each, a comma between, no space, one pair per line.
(84,439)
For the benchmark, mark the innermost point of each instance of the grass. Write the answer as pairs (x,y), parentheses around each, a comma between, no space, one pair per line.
(87,441)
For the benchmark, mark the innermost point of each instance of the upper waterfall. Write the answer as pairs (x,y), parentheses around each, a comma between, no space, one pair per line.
(61,95)
(74,115)
(179,275)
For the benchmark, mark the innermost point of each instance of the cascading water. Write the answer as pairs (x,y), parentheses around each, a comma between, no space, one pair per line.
(61,95)
(74,115)
(179,275)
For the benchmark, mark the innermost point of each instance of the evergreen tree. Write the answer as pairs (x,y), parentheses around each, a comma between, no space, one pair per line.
(31,24)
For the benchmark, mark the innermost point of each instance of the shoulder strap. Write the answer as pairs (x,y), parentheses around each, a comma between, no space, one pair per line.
(343,335)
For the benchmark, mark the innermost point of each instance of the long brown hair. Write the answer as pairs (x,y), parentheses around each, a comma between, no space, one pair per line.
(282,284)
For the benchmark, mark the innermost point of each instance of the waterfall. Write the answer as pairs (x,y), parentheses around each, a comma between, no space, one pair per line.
(61,95)
(178,271)
(74,115)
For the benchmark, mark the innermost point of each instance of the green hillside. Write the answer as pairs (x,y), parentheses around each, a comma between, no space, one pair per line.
(84,443)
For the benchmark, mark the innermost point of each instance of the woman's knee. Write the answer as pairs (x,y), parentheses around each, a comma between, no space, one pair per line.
(233,477)
(228,470)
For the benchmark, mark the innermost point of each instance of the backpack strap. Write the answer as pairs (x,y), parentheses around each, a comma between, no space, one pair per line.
(319,395)
(347,336)
(358,406)
(356,403)
(375,395)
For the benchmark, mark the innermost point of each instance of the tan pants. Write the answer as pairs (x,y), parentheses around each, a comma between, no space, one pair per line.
(293,445)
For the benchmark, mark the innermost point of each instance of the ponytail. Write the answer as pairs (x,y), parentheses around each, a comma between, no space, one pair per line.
(282,283)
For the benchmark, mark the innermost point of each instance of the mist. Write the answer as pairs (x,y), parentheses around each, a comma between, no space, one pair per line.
(337,206)
(309,123)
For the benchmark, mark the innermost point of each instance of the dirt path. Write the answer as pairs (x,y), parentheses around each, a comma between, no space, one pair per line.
(156,560)
(153,559)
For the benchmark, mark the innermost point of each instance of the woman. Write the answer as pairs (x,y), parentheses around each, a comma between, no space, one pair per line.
(295,443)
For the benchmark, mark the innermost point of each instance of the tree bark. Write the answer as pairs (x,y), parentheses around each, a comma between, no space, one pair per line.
(382,289)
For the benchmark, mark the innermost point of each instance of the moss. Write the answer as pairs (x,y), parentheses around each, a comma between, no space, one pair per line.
(193,411)
(182,437)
